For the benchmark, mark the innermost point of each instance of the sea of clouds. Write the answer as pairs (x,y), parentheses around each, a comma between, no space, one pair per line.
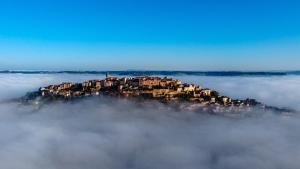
(122,134)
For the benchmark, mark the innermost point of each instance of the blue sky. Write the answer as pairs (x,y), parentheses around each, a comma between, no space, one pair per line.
(144,34)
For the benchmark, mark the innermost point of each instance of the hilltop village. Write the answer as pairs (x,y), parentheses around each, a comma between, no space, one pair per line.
(163,89)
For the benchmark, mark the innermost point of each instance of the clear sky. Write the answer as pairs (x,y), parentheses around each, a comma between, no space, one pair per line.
(150,34)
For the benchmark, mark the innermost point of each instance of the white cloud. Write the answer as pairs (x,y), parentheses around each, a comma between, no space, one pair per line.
(117,133)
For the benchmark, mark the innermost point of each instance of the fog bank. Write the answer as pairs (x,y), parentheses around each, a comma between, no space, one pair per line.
(122,134)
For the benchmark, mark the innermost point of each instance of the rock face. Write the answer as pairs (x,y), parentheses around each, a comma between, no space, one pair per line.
(166,90)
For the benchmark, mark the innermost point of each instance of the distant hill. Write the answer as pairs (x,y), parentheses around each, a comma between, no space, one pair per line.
(164,73)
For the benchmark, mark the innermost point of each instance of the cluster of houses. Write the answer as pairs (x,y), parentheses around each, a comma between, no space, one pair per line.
(163,89)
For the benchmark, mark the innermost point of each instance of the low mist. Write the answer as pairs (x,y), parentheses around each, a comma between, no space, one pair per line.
(115,133)
(281,91)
